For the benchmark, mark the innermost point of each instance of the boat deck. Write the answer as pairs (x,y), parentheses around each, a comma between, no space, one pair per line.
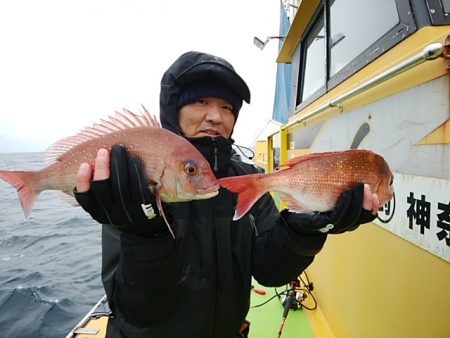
(265,319)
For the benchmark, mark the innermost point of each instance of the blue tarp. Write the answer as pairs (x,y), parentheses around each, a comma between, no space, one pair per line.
(282,99)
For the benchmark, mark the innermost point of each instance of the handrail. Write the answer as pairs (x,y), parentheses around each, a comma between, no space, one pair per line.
(86,318)
(430,52)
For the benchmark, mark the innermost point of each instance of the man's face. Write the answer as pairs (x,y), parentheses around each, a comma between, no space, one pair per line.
(208,116)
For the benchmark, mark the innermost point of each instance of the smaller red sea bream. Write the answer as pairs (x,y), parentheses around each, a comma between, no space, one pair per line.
(315,181)
(176,169)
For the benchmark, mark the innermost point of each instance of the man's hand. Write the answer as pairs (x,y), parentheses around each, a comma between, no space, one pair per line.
(371,201)
(116,192)
(354,207)
(101,171)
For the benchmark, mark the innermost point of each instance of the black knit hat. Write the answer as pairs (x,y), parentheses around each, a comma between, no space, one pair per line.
(209,87)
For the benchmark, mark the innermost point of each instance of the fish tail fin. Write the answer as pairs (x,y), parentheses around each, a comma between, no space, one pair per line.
(25,184)
(249,189)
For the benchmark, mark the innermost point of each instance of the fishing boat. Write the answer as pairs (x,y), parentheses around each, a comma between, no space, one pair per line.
(373,75)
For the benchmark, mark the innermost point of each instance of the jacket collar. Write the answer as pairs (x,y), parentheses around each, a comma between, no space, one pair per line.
(216,150)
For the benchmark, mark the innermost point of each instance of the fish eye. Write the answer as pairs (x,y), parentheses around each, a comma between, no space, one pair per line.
(392,181)
(190,169)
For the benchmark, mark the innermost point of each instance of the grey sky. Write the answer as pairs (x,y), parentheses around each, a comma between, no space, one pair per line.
(66,64)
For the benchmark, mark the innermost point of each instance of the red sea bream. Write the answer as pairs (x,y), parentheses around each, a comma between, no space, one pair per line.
(176,169)
(314,182)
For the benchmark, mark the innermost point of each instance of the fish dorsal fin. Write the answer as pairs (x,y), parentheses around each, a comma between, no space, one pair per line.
(293,161)
(119,121)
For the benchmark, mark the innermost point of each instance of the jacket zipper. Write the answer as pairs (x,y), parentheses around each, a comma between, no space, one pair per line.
(253,224)
(216,164)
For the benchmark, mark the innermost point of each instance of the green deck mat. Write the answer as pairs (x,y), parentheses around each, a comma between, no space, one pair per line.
(266,320)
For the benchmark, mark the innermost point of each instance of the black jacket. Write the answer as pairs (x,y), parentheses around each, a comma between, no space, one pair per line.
(198,285)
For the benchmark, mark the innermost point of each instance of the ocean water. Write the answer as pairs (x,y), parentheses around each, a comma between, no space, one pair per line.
(49,264)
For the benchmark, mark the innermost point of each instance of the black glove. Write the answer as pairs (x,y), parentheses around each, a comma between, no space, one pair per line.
(347,215)
(125,199)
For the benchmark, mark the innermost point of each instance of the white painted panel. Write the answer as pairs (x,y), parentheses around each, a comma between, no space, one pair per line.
(420,213)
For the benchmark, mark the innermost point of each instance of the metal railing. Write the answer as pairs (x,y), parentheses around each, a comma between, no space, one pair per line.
(430,52)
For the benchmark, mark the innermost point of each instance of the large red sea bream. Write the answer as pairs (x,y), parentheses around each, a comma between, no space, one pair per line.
(178,171)
(315,181)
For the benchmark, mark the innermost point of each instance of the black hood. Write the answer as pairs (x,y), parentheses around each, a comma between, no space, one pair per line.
(191,67)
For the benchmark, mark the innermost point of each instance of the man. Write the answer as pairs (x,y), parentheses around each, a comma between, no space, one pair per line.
(198,284)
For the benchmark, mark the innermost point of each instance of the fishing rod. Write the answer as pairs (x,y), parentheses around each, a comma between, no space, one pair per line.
(296,293)
(293,298)
(289,301)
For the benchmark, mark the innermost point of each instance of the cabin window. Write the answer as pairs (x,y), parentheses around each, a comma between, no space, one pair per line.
(446,6)
(350,35)
(439,11)
(315,61)
(346,35)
